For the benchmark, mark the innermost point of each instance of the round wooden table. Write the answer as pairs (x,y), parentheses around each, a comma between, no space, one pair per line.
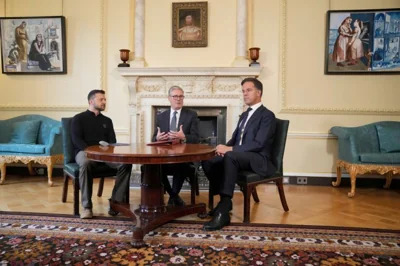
(152,211)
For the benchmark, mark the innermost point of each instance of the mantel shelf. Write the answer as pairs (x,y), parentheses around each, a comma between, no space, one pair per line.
(190,71)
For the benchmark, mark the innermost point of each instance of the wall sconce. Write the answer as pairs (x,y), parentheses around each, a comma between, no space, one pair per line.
(124,55)
(254,55)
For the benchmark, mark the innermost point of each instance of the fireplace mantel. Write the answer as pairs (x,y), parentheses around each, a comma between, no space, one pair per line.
(190,71)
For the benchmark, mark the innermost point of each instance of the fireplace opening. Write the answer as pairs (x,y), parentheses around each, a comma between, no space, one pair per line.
(212,122)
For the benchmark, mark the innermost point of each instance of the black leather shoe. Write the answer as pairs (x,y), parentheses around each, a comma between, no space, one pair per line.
(112,212)
(218,221)
(176,201)
(223,207)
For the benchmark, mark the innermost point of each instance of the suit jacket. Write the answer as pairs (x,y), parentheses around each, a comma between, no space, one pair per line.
(188,119)
(258,137)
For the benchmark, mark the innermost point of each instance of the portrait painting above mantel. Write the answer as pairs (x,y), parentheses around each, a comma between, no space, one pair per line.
(189,24)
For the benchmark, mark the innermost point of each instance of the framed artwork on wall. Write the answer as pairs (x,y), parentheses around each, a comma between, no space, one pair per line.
(189,24)
(363,42)
(33,45)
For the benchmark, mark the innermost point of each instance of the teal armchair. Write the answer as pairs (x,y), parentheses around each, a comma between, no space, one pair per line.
(71,168)
(29,139)
(369,148)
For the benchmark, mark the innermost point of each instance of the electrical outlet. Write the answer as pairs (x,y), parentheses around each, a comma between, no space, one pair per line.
(285,180)
(40,171)
(302,180)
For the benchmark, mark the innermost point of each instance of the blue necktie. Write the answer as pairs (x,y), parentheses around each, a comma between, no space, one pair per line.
(172,127)
(241,126)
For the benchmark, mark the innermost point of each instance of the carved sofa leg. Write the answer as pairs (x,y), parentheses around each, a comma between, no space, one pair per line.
(3,172)
(50,165)
(30,168)
(389,176)
(338,175)
(353,176)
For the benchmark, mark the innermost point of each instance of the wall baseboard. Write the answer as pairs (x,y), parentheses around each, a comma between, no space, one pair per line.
(290,178)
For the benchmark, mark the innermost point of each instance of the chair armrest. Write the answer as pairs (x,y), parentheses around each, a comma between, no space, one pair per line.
(347,143)
(341,132)
(54,145)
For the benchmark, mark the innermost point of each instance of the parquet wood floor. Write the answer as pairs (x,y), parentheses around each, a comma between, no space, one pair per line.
(309,205)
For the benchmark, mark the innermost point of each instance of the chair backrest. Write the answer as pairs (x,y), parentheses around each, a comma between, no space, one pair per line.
(278,147)
(69,151)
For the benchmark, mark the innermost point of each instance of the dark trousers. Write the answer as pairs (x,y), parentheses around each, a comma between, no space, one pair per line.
(179,171)
(222,171)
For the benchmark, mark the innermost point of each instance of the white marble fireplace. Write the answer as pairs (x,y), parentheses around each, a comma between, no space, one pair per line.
(205,87)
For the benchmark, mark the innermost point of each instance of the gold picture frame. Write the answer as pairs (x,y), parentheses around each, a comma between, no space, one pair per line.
(189,24)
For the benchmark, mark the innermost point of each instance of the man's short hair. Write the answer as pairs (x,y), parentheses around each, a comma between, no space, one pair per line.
(256,83)
(93,93)
(174,88)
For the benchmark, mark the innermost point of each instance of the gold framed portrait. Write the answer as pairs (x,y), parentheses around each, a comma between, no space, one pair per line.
(189,24)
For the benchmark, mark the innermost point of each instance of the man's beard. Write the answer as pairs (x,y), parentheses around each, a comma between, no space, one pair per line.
(99,107)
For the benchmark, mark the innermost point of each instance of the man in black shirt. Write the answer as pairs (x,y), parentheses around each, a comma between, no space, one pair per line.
(89,128)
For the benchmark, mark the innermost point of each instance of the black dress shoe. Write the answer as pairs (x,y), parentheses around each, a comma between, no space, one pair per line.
(218,221)
(176,201)
(112,212)
(222,207)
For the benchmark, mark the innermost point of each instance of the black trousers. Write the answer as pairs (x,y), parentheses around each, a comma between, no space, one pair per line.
(222,171)
(179,171)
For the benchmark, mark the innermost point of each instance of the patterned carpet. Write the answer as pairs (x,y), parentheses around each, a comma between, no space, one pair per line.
(65,240)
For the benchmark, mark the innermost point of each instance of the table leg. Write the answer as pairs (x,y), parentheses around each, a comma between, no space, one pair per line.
(152,211)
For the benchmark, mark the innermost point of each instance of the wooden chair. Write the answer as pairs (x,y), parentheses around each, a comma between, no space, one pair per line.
(249,180)
(71,168)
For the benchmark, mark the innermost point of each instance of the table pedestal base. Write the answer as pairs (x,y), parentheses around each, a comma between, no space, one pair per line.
(152,211)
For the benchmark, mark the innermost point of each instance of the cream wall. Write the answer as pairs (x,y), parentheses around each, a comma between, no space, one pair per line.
(293,60)
(93,27)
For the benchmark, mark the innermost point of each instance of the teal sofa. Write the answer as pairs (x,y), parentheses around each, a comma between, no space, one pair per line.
(370,148)
(30,139)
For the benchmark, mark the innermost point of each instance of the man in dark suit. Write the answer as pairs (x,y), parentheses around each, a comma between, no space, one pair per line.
(181,124)
(249,149)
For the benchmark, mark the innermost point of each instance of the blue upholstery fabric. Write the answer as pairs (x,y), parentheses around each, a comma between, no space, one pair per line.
(48,136)
(389,137)
(68,147)
(363,144)
(23,148)
(380,158)
(25,132)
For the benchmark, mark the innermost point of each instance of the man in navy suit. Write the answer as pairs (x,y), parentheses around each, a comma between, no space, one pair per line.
(249,149)
(181,124)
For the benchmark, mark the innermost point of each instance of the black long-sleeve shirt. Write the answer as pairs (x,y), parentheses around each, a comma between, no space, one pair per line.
(88,129)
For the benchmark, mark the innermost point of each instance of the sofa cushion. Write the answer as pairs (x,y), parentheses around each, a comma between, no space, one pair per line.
(389,137)
(23,148)
(380,158)
(25,132)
